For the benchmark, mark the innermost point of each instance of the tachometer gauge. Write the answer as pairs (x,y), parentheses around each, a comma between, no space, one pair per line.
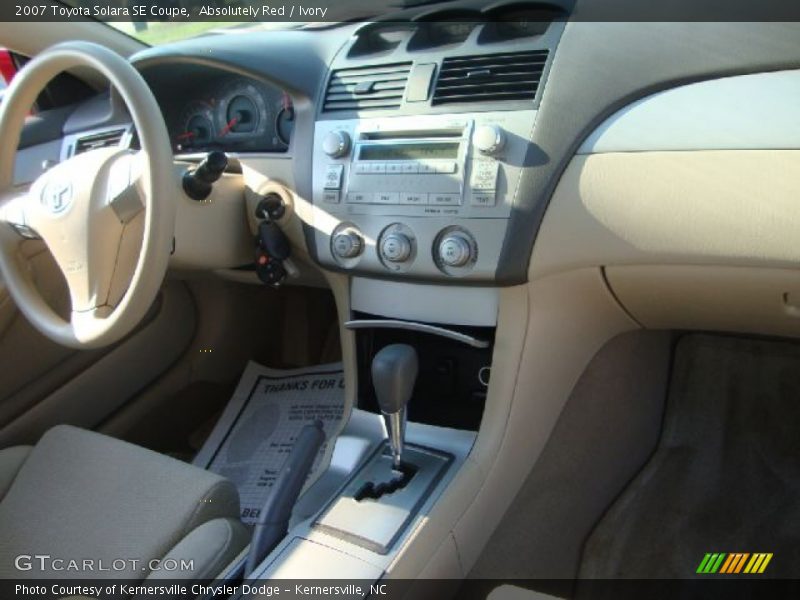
(242,113)
(197,131)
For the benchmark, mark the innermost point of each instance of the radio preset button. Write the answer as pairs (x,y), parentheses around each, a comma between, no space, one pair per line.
(427,168)
(330,196)
(359,198)
(444,199)
(333,177)
(446,167)
(413,198)
(410,167)
(394,168)
(361,168)
(377,168)
(386,198)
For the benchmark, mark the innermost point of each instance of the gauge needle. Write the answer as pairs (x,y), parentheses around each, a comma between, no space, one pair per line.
(188,134)
(229,125)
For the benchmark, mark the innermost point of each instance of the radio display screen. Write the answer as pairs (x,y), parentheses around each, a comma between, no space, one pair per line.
(409,151)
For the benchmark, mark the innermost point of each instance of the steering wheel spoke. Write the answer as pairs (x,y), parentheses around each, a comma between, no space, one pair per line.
(126,182)
(14,208)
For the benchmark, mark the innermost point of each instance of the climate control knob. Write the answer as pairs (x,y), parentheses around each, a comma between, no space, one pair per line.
(347,243)
(455,249)
(336,144)
(489,139)
(396,247)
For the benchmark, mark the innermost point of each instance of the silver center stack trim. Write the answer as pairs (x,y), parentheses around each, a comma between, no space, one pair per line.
(420,327)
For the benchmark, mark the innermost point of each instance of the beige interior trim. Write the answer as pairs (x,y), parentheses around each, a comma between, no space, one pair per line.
(548,331)
(740,299)
(702,207)
(91,396)
(8,310)
(213,233)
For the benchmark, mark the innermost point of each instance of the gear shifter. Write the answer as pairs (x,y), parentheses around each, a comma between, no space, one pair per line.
(394,372)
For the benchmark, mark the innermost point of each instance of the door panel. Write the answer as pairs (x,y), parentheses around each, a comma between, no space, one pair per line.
(87,387)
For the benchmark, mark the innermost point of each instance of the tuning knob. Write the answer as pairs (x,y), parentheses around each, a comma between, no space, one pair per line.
(396,247)
(336,144)
(455,249)
(347,244)
(489,139)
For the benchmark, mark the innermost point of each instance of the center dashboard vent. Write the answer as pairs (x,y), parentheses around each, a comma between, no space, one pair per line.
(94,141)
(490,77)
(365,88)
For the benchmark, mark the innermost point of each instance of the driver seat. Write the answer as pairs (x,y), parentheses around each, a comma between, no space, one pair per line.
(79,495)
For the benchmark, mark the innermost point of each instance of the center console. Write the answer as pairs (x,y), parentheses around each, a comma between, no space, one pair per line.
(417,161)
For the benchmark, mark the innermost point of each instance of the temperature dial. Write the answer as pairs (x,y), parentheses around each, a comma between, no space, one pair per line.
(347,244)
(455,250)
(336,144)
(489,139)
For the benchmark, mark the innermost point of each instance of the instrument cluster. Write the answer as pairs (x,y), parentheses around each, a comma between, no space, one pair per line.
(233,114)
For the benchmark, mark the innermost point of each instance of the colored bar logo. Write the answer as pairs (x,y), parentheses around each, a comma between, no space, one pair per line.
(734,563)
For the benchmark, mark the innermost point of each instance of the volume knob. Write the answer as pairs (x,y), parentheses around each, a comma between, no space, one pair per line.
(455,250)
(336,144)
(489,139)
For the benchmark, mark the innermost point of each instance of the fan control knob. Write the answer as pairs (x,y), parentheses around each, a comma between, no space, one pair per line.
(396,247)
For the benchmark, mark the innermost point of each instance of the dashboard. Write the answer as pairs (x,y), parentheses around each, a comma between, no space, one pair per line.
(229,113)
(422,153)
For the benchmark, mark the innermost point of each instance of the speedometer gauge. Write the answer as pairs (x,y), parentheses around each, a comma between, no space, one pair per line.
(242,113)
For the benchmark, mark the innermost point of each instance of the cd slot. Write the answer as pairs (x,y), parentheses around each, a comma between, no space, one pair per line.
(412,134)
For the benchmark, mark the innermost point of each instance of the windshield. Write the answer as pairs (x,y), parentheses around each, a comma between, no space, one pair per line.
(163,21)
(163,32)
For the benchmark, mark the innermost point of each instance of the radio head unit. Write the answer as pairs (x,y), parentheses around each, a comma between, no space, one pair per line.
(423,197)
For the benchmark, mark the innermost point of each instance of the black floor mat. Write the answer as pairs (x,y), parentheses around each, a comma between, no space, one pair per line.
(726,475)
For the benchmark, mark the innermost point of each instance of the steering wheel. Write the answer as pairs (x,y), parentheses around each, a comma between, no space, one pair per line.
(84,207)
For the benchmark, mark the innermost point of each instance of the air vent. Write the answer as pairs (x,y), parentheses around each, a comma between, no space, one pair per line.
(103,139)
(365,88)
(490,77)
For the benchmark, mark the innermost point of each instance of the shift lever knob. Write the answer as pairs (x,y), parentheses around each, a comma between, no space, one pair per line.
(394,372)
